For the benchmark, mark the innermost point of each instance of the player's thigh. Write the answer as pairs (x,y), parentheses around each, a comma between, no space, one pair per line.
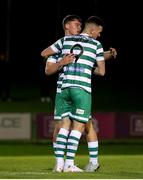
(81,106)
(66,105)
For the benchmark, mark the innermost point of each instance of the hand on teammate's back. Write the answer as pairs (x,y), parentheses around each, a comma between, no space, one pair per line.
(67,59)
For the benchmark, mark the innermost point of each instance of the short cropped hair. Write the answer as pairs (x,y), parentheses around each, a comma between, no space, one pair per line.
(69,18)
(95,20)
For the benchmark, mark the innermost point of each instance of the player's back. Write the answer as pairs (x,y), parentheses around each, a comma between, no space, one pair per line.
(78,73)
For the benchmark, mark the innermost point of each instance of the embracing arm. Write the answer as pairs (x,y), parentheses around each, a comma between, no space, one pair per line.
(52,68)
(47,52)
(112,53)
(100,69)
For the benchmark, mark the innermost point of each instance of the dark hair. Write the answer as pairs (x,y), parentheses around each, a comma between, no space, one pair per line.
(69,18)
(95,20)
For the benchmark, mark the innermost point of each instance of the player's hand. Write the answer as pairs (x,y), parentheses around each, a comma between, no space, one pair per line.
(113,52)
(67,59)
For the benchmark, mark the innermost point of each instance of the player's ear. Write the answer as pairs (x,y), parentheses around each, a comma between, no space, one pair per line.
(91,31)
(67,26)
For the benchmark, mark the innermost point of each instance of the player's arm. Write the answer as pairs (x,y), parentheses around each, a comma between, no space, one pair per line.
(53,49)
(47,52)
(112,53)
(52,68)
(100,69)
(100,61)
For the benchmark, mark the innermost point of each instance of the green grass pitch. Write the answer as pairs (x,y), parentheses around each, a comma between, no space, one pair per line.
(36,161)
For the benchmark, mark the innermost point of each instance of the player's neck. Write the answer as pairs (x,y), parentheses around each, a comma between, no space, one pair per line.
(86,32)
(67,33)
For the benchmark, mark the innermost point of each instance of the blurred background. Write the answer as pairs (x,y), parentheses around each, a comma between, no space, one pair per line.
(27,95)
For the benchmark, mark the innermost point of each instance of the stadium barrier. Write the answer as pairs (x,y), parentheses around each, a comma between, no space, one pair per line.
(108,125)
(15,126)
(39,126)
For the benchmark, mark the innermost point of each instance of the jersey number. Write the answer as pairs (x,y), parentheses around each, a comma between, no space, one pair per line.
(80,52)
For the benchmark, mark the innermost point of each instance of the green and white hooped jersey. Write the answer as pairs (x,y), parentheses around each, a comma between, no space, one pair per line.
(55,59)
(78,74)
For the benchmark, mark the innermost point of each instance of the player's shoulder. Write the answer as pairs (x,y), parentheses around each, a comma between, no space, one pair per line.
(95,41)
(70,36)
